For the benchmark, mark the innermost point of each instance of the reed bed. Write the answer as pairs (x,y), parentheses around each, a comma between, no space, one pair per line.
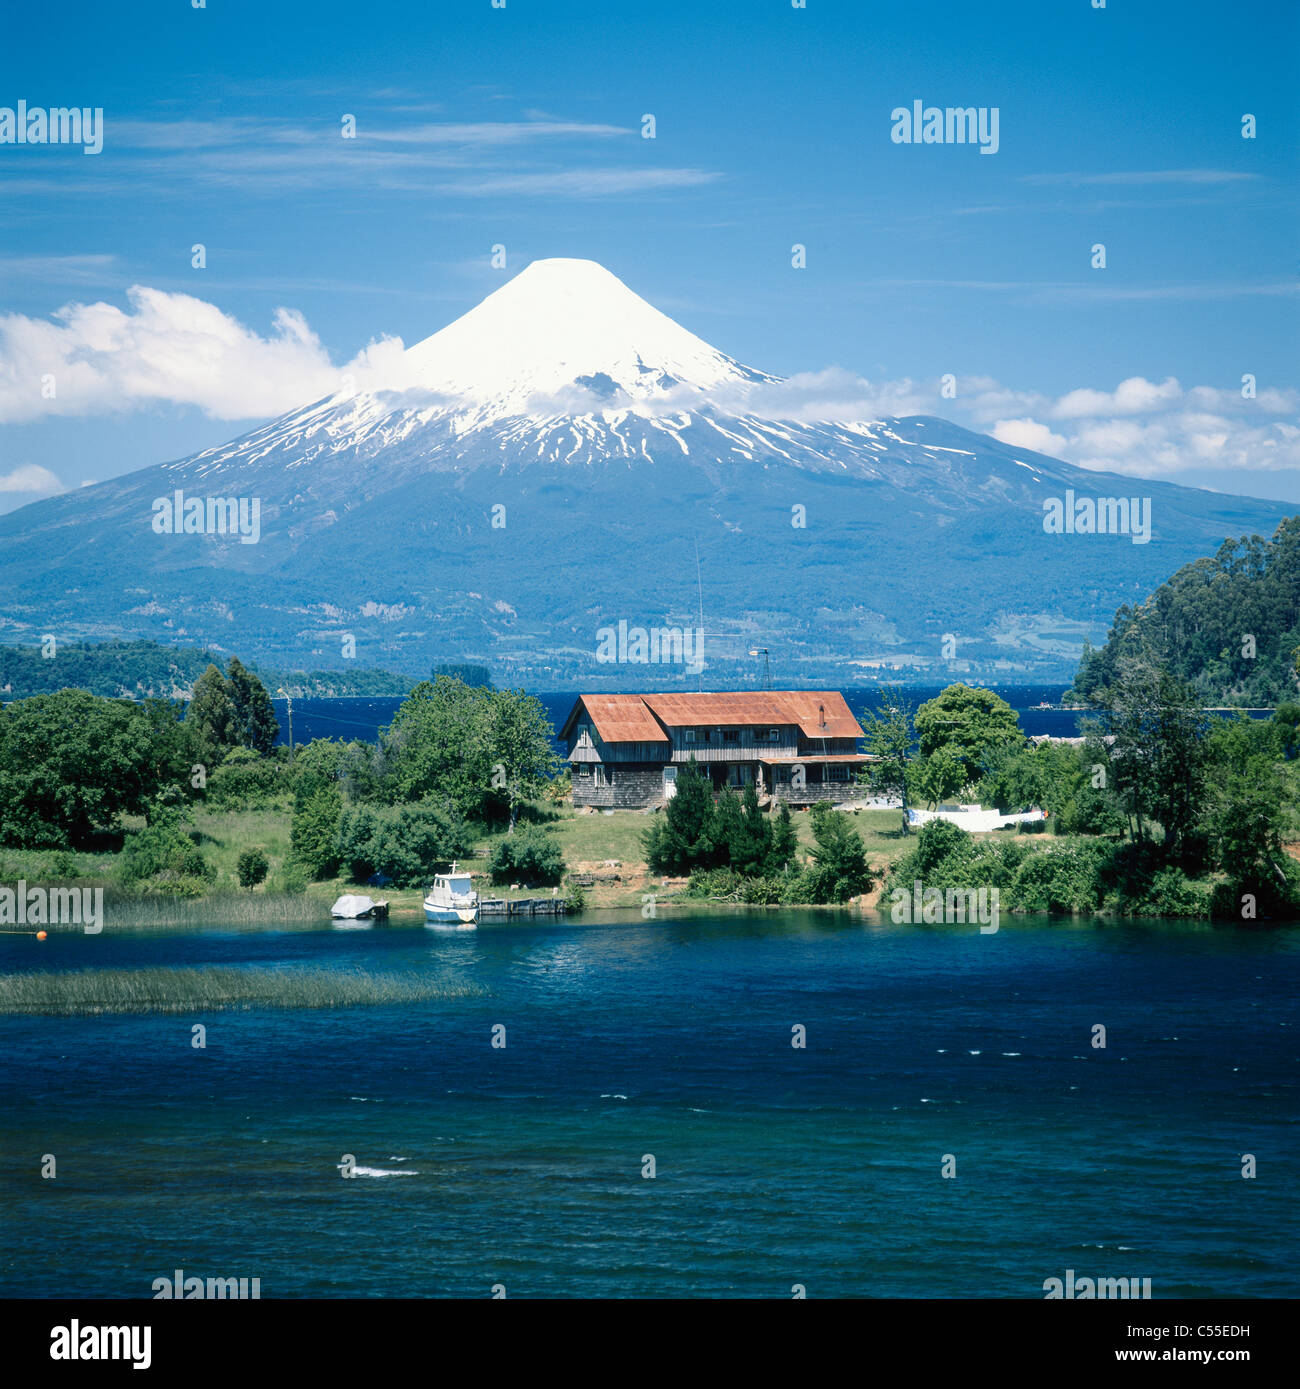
(167,990)
(128,911)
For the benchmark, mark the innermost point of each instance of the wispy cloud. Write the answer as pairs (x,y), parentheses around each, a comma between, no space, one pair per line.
(84,269)
(1076,291)
(581,183)
(1140,177)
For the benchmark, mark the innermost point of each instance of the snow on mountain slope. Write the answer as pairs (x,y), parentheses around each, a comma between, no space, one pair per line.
(565,332)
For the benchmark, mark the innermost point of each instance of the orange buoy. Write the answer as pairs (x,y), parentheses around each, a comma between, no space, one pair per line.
(40,935)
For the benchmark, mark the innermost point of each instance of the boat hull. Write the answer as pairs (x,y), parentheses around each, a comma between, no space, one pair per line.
(464,917)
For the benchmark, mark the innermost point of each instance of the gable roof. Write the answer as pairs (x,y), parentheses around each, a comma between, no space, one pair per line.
(820,713)
(629,718)
(618,718)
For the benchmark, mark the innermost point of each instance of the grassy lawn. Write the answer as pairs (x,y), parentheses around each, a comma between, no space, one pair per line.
(589,842)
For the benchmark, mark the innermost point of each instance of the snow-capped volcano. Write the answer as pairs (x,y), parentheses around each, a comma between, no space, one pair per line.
(566,337)
(565,457)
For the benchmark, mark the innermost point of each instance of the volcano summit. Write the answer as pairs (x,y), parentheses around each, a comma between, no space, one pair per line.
(557,461)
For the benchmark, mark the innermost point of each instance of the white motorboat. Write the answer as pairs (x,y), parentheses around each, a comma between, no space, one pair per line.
(451,901)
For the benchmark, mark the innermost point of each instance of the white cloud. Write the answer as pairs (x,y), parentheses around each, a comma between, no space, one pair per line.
(32,479)
(170,348)
(1029,434)
(1136,396)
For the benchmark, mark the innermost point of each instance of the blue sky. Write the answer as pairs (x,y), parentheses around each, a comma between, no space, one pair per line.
(522,126)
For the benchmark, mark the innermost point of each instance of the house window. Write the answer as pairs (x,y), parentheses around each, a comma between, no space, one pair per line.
(598,774)
(731,735)
(688,735)
(773,735)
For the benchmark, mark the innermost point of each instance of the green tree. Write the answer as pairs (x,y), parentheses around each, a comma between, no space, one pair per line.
(523,757)
(314,829)
(211,717)
(72,763)
(683,834)
(255,721)
(938,776)
(973,723)
(1249,805)
(251,868)
(785,843)
(890,737)
(1157,754)
(839,868)
(439,745)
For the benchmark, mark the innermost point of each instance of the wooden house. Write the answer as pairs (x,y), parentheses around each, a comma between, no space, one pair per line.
(796,746)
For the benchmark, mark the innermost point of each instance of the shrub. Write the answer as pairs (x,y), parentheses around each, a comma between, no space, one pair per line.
(528,855)
(245,781)
(163,853)
(251,868)
(839,863)
(1062,878)
(407,846)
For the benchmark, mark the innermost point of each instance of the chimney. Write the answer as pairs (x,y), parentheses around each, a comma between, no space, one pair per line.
(821,716)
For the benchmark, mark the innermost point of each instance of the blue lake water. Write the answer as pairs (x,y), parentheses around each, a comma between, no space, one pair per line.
(362,717)
(672,1038)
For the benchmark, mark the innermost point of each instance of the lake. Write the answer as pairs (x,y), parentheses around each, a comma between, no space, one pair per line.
(671,1038)
(363,716)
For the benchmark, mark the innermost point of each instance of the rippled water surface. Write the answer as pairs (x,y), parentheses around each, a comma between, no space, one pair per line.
(625,1039)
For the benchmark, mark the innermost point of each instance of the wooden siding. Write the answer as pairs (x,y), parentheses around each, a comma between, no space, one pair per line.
(626,787)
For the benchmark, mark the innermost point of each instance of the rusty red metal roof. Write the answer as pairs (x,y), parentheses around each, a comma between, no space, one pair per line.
(740,707)
(819,713)
(618,718)
(631,718)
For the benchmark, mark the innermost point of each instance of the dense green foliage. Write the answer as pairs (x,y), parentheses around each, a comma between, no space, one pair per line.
(407,846)
(314,830)
(693,832)
(480,750)
(971,723)
(1229,627)
(71,764)
(836,872)
(163,857)
(529,856)
(733,850)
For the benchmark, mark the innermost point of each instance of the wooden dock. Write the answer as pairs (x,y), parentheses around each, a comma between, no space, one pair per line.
(521,906)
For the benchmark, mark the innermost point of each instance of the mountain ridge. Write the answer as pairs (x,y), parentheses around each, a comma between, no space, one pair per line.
(508,486)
